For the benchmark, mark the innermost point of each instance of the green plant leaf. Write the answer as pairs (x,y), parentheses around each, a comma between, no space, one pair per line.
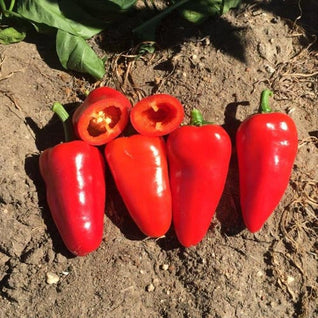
(64,14)
(11,35)
(107,10)
(75,54)
(230,4)
(123,4)
(107,5)
(197,11)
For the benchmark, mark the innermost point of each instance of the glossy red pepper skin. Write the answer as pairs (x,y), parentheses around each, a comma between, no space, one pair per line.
(74,174)
(157,115)
(102,116)
(266,149)
(198,162)
(139,167)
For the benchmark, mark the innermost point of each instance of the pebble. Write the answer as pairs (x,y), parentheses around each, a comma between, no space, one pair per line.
(269,69)
(290,279)
(150,288)
(164,267)
(52,278)
(3,258)
(60,258)
(260,274)
(50,256)
(207,41)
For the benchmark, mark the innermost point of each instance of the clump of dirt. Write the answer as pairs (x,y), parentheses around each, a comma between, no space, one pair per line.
(221,68)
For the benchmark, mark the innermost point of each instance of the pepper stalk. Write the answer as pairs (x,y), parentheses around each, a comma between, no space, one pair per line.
(63,115)
(197,118)
(264,104)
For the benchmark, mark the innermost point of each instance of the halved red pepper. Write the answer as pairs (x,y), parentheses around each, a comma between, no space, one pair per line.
(157,115)
(266,149)
(102,116)
(198,156)
(139,167)
(74,174)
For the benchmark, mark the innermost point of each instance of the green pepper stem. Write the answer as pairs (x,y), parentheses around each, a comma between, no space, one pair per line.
(264,105)
(63,115)
(197,118)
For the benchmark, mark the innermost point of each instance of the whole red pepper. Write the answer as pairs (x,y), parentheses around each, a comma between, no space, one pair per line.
(157,115)
(102,116)
(198,156)
(139,166)
(74,174)
(266,149)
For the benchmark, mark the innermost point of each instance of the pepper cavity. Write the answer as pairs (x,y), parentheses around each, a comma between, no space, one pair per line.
(157,115)
(104,120)
(102,116)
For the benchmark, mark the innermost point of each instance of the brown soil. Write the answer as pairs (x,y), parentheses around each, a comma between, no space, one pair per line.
(220,68)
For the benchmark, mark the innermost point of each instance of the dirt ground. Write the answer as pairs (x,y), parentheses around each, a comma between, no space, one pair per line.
(221,68)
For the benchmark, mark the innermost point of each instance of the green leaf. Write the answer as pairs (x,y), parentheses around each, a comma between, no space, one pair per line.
(64,14)
(11,35)
(123,4)
(75,54)
(197,11)
(107,5)
(107,10)
(230,4)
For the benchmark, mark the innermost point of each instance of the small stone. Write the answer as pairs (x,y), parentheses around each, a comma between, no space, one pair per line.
(150,288)
(207,41)
(269,69)
(201,65)
(275,20)
(52,278)
(3,258)
(290,280)
(60,258)
(260,274)
(50,256)
(164,267)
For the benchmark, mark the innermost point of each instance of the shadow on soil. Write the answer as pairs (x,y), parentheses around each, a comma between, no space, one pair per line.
(229,212)
(173,30)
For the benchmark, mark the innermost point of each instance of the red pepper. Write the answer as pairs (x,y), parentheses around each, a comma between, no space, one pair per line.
(198,157)
(139,166)
(266,148)
(102,116)
(74,174)
(157,115)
